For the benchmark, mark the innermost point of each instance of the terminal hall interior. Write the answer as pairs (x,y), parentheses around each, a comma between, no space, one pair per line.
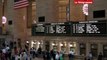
(56,24)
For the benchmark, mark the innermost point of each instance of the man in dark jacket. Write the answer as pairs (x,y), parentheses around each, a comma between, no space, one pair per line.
(48,55)
(100,56)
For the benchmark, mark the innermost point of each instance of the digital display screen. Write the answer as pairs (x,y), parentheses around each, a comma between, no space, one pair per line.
(38,29)
(89,28)
(58,29)
(50,29)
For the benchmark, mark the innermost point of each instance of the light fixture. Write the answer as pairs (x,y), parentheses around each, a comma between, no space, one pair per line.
(38,42)
(61,44)
(53,44)
(85,9)
(27,41)
(71,45)
(4,19)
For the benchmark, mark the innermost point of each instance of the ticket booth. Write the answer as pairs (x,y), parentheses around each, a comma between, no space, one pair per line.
(72,46)
(54,45)
(94,49)
(82,49)
(105,50)
(63,46)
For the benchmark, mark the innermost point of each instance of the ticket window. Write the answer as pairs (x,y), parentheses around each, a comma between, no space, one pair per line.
(94,49)
(82,49)
(72,46)
(105,50)
(54,46)
(63,46)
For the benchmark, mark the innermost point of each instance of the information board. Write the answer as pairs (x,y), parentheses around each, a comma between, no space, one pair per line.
(87,28)
(38,29)
(92,28)
(57,29)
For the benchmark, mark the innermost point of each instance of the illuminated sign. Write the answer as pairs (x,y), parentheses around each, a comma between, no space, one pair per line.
(85,9)
(90,28)
(87,28)
(38,29)
(4,19)
(83,1)
(57,29)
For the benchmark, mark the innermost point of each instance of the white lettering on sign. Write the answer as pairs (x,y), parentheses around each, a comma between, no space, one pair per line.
(51,29)
(80,28)
(60,29)
(40,29)
(92,29)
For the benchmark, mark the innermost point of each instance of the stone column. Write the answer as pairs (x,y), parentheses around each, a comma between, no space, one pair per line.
(10,15)
(43,45)
(29,14)
(59,47)
(0,13)
(67,47)
(51,46)
(77,50)
(100,48)
(87,48)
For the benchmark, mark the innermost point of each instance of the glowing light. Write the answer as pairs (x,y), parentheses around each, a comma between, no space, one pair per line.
(34,21)
(85,9)
(53,44)
(71,45)
(38,42)
(4,19)
(27,41)
(61,44)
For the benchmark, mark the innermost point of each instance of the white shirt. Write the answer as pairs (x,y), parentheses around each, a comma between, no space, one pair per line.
(71,52)
(4,50)
(7,48)
(57,56)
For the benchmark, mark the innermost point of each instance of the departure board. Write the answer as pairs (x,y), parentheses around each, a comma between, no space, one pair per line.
(85,28)
(92,28)
(57,29)
(38,29)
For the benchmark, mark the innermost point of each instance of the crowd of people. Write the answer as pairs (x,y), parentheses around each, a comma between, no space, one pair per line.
(6,53)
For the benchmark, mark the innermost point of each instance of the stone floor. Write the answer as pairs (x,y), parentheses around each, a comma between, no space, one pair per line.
(38,59)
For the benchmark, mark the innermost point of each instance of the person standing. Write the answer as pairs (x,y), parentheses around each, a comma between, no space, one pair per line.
(71,55)
(44,55)
(23,56)
(48,55)
(53,54)
(100,56)
(61,56)
(57,57)
(90,56)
